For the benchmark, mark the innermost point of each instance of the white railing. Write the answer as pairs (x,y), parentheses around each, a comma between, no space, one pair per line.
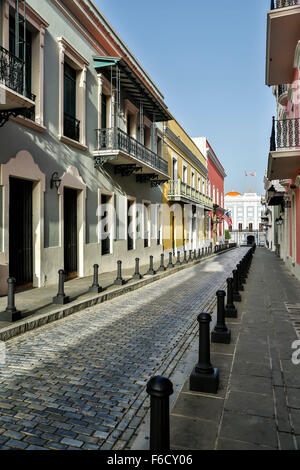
(178,188)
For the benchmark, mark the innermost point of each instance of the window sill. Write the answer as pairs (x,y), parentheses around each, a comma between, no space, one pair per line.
(72,142)
(28,123)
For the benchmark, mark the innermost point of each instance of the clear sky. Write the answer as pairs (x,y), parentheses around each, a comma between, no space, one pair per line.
(208,59)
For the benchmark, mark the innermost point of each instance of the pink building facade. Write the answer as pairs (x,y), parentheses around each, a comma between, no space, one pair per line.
(282,72)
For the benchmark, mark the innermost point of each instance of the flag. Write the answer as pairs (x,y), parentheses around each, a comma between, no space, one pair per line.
(252,174)
(227,218)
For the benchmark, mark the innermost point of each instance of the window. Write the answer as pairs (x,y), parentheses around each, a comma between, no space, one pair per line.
(72,96)
(218,199)
(214,194)
(193,179)
(130,225)
(34,55)
(251,227)
(146,223)
(240,227)
(174,169)
(184,173)
(71,124)
(203,186)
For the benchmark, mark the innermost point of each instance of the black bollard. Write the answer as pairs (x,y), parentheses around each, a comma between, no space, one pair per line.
(137,274)
(239,276)
(206,253)
(185,261)
(151,271)
(236,294)
(61,298)
(95,288)
(119,281)
(199,253)
(230,309)
(204,378)
(220,333)
(202,252)
(178,263)
(162,263)
(195,255)
(170,265)
(11,314)
(190,256)
(159,389)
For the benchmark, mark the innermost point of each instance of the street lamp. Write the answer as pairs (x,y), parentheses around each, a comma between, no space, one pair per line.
(55,181)
(279,221)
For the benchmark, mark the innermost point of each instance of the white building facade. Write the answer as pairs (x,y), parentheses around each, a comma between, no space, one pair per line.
(246,212)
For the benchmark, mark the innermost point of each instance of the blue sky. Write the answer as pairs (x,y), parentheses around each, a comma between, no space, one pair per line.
(208,59)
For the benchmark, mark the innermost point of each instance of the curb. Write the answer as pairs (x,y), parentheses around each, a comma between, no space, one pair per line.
(28,324)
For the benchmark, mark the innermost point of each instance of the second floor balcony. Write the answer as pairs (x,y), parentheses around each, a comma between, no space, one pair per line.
(283,3)
(179,191)
(283,34)
(13,93)
(284,156)
(118,148)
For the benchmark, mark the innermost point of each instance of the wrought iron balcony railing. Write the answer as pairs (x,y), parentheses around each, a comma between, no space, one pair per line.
(285,134)
(71,127)
(178,188)
(12,73)
(283,3)
(116,139)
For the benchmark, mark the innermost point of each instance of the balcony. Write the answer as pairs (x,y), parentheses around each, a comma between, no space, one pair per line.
(283,3)
(283,34)
(182,192)
(284,156)
(12,93)
(117,147)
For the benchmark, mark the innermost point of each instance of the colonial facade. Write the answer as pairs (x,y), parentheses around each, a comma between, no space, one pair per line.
(71,196)
(185,195)
(215,191)
(283,173)
(246,212)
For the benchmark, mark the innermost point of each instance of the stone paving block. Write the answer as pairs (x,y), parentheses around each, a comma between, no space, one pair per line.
(286,441)
(193,433)
(14,444)
(241,367)
(230,444)
(72,442)
(295,415)
(251,404)
(261,385)
(293,397)
(283,420)
(254,429)
(206,408)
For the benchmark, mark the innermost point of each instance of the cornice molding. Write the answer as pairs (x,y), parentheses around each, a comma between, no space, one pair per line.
(170,134)
(211,154)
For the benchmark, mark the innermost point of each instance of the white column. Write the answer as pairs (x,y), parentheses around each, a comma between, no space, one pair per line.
(61,90)
(82,108)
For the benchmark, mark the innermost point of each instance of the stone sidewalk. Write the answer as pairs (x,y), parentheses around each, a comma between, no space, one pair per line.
(258,402)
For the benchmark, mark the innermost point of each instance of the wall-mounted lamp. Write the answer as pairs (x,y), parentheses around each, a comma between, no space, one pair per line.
(55,181)
(279,221)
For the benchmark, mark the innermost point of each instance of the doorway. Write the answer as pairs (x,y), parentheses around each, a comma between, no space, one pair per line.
(70,233)
(20,232)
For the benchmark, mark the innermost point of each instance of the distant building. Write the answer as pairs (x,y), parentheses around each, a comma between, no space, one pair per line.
(246,213)
(215,233)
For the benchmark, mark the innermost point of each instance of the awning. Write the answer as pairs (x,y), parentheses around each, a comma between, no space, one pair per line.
(135,87)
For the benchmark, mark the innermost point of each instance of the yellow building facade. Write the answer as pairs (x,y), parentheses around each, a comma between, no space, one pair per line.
(184,197)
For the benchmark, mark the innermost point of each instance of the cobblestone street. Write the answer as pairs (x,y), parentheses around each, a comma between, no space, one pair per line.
(80,383)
